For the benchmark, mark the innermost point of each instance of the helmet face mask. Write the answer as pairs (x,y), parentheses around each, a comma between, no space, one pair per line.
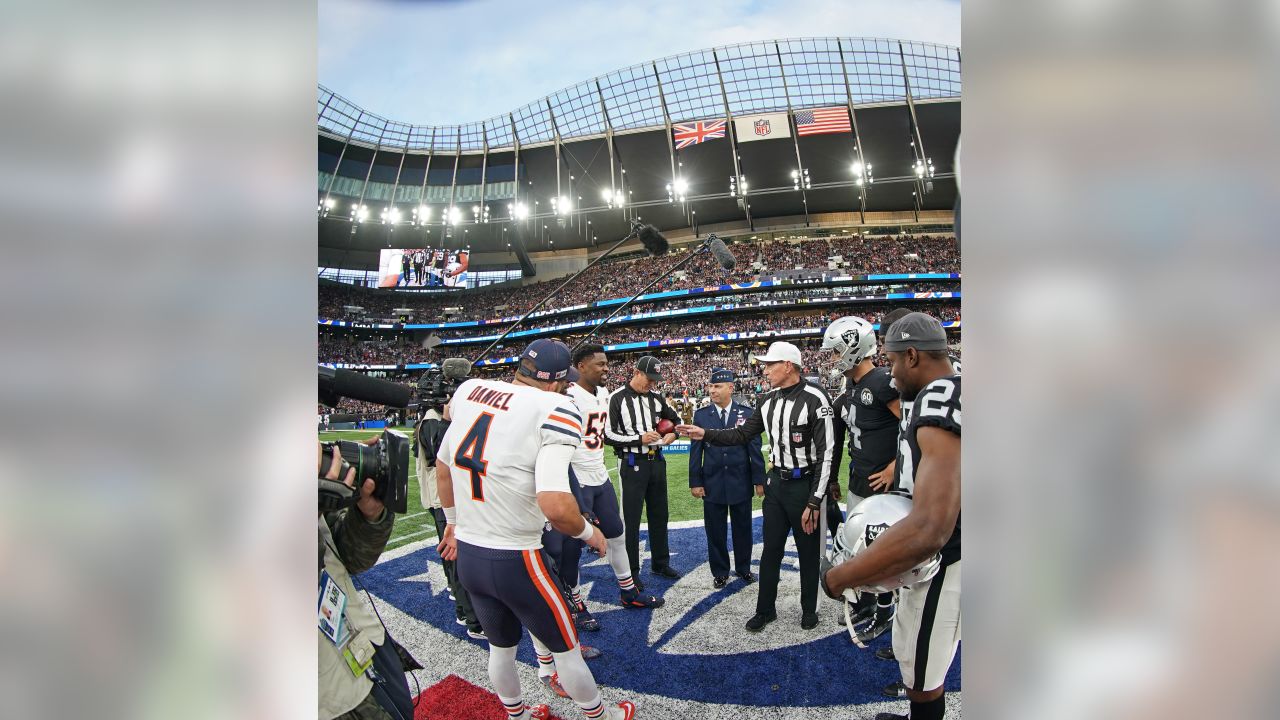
(852,339)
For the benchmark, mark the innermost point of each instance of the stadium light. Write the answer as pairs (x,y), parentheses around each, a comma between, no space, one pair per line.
(360,214)
(455,215)
(520,211)
(677,190)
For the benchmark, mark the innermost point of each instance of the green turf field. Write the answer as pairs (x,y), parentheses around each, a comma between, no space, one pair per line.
(417,524)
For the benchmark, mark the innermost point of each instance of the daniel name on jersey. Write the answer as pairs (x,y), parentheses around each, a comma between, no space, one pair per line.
(493,482)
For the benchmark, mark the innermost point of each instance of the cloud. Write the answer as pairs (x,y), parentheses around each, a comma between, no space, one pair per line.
(436,63)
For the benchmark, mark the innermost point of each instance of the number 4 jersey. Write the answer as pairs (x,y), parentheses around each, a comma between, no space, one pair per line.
(497,431)
(937,405)
(588,461)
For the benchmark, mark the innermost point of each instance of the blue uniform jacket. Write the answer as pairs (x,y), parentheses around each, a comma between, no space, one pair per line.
(728,473)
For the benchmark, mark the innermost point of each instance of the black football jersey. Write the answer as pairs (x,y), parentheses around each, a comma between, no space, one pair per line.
(863,412)
(937,405)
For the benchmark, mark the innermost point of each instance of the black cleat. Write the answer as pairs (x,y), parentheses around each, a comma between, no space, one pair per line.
(665,571)
(636,599)
(863,636)
(747,577)
(809,621)
(719,581)
(859,614)
(886,653)
(758,621)
(894,690)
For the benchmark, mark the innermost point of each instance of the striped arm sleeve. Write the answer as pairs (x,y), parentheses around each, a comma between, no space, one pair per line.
(562,426)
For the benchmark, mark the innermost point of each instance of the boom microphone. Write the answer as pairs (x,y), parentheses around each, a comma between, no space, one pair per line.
(653,240)
(456,368)
(336,384)
(721,253)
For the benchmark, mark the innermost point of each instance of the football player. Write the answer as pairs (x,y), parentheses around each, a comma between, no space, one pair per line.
(926,627)
(868,411)
(598,494)
(496,496)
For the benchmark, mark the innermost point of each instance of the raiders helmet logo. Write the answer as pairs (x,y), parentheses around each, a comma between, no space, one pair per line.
(866,396)
(873,531)
(850,337)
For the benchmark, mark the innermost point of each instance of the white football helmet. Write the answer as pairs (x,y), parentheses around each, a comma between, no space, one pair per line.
(852,339)
(866,521)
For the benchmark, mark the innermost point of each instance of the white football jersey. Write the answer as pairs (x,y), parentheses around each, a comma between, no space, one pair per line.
(498,429)
(588,462)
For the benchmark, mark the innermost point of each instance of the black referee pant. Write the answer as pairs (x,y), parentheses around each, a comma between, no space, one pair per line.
(784,502)
(644,481)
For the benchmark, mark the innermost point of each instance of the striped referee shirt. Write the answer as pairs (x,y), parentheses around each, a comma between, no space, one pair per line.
(798,419)
(631,415)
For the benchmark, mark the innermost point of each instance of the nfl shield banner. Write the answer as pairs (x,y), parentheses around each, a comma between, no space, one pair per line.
(762,127)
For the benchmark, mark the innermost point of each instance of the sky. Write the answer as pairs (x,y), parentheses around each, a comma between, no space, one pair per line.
(429,62)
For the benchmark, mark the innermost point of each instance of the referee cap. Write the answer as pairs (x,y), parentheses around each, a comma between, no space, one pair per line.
(781,351)
(650,366)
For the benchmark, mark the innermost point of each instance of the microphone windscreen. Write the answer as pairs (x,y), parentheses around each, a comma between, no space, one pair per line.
(456,368)
(653,240)
(722,254)
(358,386)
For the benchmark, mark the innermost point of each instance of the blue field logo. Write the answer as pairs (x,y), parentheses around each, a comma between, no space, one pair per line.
(695,648)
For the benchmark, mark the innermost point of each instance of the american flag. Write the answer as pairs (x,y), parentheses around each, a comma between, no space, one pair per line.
(687,134)
(822,121)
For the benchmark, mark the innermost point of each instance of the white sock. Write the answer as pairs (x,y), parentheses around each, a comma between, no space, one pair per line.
(618,557)
(546,663)
(576,678)
(506,683)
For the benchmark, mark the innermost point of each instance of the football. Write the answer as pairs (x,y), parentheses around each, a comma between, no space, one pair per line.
(666,426)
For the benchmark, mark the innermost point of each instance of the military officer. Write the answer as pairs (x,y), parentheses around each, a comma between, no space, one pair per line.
(723,477)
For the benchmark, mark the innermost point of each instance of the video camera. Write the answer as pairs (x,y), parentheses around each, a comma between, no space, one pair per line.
(434,389)
(437,384)
(386,462)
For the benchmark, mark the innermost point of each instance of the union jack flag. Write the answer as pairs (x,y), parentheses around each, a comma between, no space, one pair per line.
(687,134)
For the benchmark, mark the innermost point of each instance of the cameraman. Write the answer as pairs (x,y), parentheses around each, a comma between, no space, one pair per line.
(431,428)
(361,675)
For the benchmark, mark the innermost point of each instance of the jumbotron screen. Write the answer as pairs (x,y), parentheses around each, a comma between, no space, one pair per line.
(423,267)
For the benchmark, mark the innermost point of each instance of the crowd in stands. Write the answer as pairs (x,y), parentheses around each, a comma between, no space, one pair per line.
(611,279)
(336,347)
(686,374)
(816,294)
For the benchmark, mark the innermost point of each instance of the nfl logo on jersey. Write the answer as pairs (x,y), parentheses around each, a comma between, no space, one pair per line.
(797,438)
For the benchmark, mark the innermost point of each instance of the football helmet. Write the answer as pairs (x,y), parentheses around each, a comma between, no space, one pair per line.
(852,339)
(866,521)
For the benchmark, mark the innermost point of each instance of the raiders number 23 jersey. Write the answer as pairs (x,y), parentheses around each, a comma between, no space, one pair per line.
(937,405)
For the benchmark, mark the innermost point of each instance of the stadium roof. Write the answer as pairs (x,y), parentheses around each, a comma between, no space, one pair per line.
(611,134)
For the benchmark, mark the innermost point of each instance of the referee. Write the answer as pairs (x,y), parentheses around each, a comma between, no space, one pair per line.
(797,416)
(634,412)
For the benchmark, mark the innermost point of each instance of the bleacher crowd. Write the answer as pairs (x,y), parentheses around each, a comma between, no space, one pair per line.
(621,278)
